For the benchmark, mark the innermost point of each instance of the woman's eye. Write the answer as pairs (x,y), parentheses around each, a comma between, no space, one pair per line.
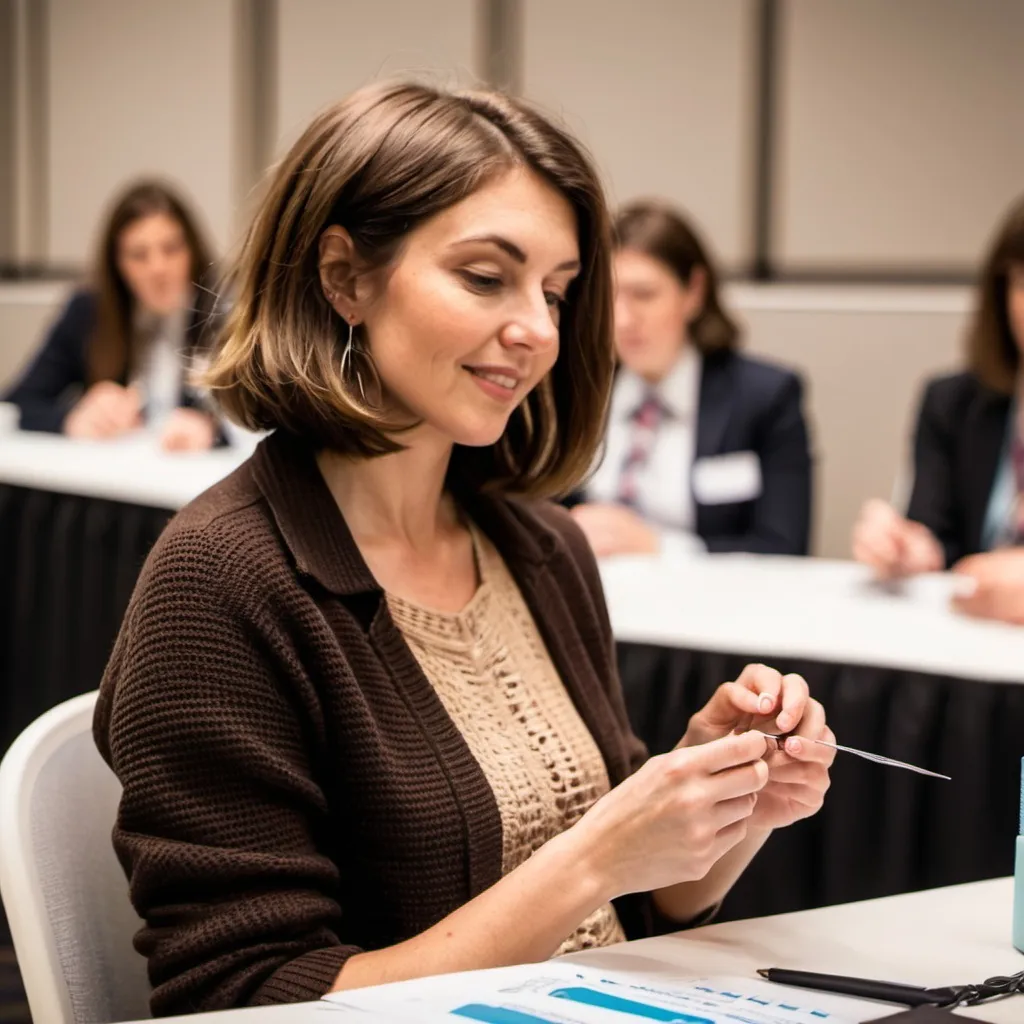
(555,301)
(481,282)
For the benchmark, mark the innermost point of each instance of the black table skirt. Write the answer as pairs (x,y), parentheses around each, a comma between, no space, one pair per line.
(68,565)
(882,830)
(67,568)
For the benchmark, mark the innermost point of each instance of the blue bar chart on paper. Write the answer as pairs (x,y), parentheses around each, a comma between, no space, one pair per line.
(567,993)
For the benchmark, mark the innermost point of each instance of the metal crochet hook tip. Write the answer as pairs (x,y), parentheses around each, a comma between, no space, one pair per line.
(877,758)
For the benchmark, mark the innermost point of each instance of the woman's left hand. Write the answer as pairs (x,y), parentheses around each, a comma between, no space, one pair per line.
(615,529)
(188,430)
(763,699)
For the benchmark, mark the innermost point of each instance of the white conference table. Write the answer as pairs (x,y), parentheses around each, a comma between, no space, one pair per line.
(806,608)
(937,937)
(77,520)
(132,470)
(799,607)
(898,671)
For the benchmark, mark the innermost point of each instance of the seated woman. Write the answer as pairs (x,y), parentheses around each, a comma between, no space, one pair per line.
(363,704)
(968,490)
(706,449)
(118,357)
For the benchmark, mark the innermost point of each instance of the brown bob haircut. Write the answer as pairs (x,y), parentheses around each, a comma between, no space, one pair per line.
(380,164)
(992,353)
(110,349)
(661,232)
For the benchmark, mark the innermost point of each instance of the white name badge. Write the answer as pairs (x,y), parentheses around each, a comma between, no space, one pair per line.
(727,479)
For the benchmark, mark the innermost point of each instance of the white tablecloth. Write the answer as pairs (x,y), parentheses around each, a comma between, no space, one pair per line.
(806,608)
(131,469)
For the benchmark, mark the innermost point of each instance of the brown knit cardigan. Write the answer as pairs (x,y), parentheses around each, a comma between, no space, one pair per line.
(294,791)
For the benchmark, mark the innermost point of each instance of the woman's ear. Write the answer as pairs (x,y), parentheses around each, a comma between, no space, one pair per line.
(340,273)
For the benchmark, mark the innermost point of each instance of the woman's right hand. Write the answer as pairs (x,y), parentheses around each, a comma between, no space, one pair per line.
(674,818)
(105,410)
(892,545)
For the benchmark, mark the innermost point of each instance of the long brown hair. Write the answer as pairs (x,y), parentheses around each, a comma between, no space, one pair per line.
(993,354)
(380,163)
(109,349)
(661,232)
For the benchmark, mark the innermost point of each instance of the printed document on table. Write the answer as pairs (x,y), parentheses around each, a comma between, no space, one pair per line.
(570,993)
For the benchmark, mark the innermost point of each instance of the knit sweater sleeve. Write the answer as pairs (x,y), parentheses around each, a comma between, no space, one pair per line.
(204,716)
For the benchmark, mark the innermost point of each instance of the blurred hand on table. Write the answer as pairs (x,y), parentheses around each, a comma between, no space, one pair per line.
(894,546)
(188,430)
(106,410)
(615,529)
(998,591)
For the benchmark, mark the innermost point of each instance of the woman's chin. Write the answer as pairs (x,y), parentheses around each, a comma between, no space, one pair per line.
(164,305)
(478,440)
(477,434)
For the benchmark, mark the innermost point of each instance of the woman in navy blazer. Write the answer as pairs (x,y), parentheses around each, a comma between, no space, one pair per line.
(117,357)
(706,449)
(966,507)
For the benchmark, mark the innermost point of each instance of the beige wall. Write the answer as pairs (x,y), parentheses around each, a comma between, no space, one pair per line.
(327,48)
(898,126)
(137,87)
(26,310)
(141,86)
(864,351)
(899,145)
(662,93)
(900,130)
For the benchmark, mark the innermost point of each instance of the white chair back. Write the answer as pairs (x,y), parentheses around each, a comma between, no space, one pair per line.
(63,889)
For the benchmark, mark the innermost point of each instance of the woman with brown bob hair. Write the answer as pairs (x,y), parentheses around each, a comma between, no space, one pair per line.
(363,704)
(968,489)
(706,449)
(117,359)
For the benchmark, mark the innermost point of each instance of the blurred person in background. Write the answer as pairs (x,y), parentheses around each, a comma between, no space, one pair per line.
(706,449)
(117,360)
(968,491)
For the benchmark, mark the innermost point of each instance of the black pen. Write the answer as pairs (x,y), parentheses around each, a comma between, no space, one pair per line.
(862,988)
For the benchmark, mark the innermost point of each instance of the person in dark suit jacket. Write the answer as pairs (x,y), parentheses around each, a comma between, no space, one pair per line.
(706,449)
(117,358)
(968,490)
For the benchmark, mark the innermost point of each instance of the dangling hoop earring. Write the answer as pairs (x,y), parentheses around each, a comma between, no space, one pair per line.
(346,361)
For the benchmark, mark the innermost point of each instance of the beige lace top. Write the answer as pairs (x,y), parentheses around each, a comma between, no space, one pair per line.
(497,682)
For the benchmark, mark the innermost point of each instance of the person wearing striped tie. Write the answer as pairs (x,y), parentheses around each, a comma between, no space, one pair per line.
(706,449)
(966,509)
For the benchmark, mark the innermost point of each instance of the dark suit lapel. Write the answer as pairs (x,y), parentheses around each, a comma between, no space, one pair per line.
(984,438)
(714,410)
(715,404)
